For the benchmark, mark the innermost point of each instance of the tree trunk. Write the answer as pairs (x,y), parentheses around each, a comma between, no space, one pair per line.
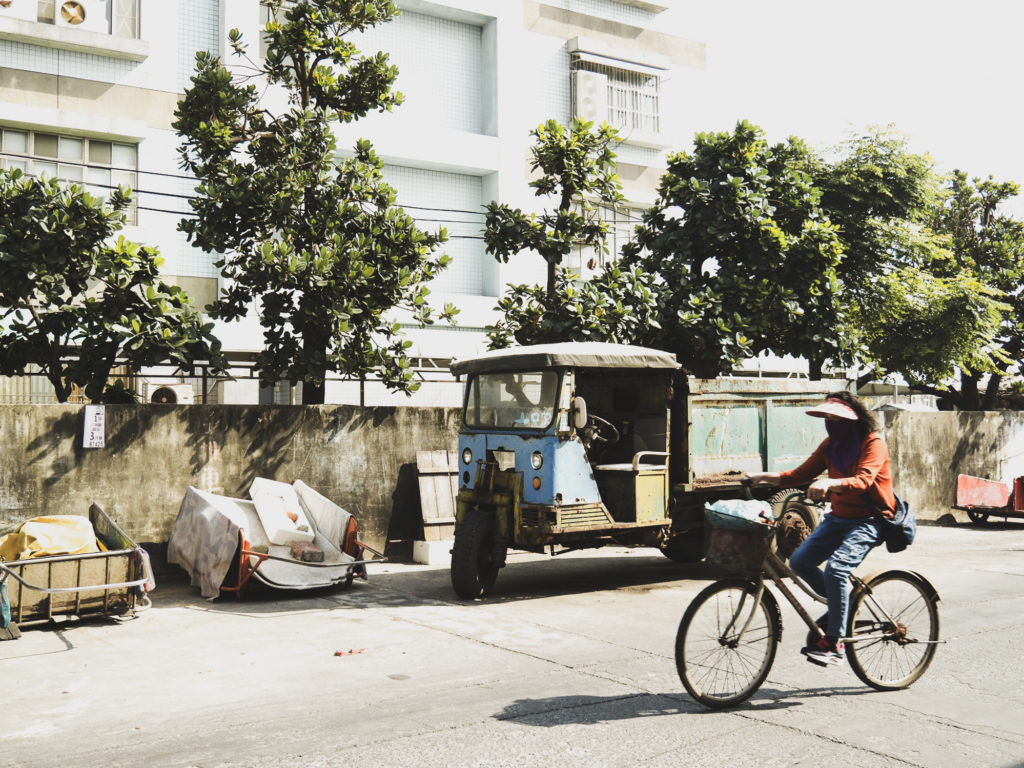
(969,400)
(313,394)
(314,353)
(814,369)
(991,392)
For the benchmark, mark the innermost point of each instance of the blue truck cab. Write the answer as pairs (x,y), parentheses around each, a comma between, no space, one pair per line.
(582,444)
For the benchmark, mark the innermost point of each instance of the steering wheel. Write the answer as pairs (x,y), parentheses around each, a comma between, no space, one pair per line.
(597,434)
(604,431)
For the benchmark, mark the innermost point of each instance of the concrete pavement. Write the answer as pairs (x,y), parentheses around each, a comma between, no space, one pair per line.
(568,663)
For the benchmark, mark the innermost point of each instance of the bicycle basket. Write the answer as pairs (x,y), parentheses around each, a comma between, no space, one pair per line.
(735,543)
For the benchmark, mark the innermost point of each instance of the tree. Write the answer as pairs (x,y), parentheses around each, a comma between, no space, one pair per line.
(315,244)
(74,303)
(576,166)
(745,259)
(989,246)
(883,197)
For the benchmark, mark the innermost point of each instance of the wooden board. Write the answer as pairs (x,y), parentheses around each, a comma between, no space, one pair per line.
(439,487)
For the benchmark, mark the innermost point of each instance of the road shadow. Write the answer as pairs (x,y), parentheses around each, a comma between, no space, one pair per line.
(518,581)
(554,711)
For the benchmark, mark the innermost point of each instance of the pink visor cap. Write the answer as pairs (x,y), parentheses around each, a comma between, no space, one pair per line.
(834,407)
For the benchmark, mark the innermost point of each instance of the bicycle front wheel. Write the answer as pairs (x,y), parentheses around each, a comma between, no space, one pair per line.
(718,666)
(894,623)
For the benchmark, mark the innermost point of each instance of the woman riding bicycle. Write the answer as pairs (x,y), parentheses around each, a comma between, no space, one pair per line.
(859,481)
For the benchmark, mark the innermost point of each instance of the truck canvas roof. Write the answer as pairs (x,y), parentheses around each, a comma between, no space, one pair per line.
(571,354)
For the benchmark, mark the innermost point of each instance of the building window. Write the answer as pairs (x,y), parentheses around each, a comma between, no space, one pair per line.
(110,17)
(606,91)
(99,165)
(621,222)
(265,15)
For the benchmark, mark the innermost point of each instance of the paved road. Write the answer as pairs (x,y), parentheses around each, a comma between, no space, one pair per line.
(569,664)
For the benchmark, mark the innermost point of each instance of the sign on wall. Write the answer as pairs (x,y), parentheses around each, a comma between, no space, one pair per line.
(95,433)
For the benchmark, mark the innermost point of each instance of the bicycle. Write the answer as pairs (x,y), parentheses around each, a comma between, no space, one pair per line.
(728,636)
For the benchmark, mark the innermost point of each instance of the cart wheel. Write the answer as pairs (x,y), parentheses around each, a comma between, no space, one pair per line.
(978,518)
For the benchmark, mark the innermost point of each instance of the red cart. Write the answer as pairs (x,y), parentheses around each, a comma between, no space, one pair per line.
(981,498)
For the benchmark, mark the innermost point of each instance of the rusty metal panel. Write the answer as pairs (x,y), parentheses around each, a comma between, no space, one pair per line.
(438,481)
(979,492)
(750,425)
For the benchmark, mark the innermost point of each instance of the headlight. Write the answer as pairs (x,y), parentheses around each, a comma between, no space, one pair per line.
(537,460)
(467,455)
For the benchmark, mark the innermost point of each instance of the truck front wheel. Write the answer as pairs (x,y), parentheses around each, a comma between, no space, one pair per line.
(475,562)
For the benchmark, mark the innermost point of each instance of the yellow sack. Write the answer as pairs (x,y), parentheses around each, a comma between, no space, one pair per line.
(51,535)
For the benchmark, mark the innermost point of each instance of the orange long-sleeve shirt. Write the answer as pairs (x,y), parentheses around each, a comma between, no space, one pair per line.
(871,474)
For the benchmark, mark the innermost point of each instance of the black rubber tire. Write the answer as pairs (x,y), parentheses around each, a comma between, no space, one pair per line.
(685,547)
(474,566)
(792,500)
(899,659)
(977,518)
(715,674)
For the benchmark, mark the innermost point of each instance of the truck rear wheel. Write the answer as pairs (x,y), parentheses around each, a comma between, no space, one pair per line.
(795,518)
(685,547)
(475,563)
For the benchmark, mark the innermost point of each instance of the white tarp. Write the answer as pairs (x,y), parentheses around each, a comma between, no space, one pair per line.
(206,537)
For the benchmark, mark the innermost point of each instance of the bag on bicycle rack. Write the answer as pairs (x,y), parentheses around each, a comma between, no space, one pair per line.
(899,530)
(737,535)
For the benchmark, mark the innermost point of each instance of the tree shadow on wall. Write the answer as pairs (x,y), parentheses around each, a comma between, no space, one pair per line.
(67,426)
(352,418)
(264,436)
(972,442)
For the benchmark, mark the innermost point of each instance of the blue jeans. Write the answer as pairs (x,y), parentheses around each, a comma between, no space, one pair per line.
(844,544)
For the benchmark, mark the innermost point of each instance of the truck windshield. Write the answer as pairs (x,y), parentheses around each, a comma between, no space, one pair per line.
(512,400)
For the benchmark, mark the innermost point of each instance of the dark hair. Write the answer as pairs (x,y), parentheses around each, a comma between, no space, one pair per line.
(866,421)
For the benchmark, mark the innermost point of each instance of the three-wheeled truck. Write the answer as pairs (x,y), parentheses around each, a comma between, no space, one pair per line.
(582,444)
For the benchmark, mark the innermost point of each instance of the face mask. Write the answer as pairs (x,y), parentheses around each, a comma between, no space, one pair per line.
(844,443)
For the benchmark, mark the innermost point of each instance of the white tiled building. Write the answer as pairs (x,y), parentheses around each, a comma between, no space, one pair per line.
(88,90)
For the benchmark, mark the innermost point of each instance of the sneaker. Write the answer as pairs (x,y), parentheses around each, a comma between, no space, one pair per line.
(825,652)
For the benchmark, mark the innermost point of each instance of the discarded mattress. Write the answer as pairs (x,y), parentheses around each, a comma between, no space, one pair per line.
(211,530)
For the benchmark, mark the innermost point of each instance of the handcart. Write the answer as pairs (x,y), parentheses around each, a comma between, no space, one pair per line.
(110,583)
(224,545)
(981,498)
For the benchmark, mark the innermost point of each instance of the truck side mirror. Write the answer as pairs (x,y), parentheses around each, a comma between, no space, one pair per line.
(579,412)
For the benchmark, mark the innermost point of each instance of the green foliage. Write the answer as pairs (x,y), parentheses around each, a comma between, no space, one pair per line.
(988,246)
(576,166)
(617,306)
(74,304)
(928,328)
(745,258)
(317,246)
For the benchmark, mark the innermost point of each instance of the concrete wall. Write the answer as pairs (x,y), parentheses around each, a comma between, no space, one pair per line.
(929,450)
(361,458)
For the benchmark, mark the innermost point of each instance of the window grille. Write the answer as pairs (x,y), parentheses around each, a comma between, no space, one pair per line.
(99,165)
(621,223)
(633,96)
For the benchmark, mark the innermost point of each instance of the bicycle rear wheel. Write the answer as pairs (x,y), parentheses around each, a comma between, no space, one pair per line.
(718,668)
(891,654)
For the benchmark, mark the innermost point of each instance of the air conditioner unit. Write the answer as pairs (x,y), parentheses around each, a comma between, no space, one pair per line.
(172,394)
(26,10)
(590,96)
(84,15)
